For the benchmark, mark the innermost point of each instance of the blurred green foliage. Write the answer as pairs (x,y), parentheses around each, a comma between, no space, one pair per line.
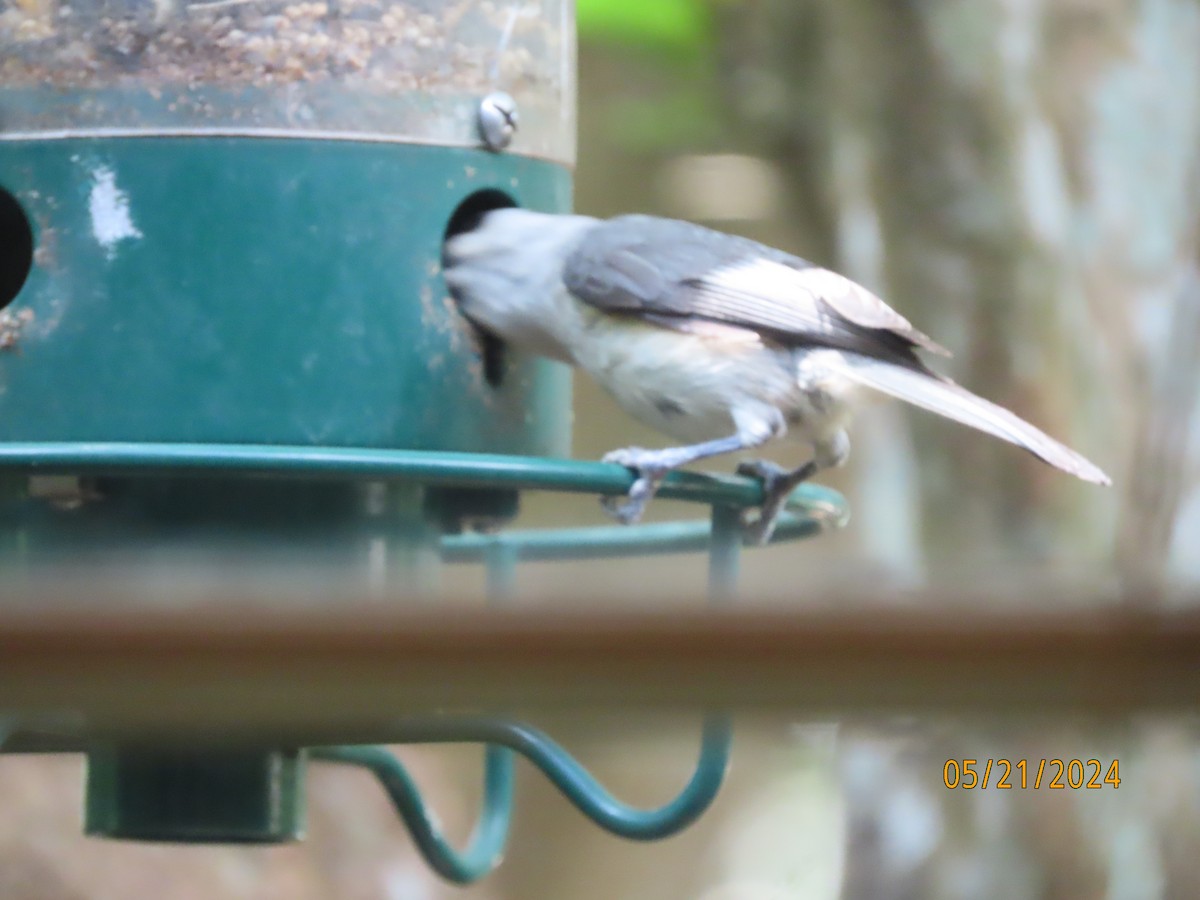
(649,66)
(677,27)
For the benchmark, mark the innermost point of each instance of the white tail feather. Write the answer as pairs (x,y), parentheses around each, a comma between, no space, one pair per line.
(954,402)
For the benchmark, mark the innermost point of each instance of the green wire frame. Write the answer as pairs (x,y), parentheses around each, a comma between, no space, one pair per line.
(811,510)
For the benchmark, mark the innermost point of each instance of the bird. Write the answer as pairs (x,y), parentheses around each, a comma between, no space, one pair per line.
(719,342)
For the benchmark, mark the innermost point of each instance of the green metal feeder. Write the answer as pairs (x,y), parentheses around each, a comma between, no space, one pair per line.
(224,337)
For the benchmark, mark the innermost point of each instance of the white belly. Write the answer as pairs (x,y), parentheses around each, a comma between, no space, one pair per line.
(693,386)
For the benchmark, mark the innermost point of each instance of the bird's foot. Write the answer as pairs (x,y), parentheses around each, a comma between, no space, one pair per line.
(651,467)
(778,484)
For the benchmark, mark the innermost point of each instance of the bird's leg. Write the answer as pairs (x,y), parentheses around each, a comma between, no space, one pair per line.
(778,484)
(652,466)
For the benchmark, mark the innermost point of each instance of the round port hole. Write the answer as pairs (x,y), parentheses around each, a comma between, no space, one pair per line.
(466,218)
(16,248)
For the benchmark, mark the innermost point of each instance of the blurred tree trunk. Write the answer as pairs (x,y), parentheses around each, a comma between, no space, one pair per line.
(1020,179)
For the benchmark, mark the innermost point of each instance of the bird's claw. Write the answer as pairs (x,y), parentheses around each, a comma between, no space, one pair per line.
(628,510)
(778,484)
(758,528)
(769,473)
(629,457)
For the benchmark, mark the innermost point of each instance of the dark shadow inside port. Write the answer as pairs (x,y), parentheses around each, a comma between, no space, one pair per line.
(16,248)
(466,218)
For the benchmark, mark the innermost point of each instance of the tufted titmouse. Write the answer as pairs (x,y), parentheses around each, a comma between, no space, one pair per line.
(718,341)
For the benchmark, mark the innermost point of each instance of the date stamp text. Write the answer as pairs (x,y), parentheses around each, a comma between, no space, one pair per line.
(1023,774)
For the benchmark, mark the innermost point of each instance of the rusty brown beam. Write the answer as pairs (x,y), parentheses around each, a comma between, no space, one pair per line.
(351,672)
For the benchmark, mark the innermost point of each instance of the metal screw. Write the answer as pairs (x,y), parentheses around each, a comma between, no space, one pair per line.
(498,120)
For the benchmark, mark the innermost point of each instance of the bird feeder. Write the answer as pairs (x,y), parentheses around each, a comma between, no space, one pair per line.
(224,336)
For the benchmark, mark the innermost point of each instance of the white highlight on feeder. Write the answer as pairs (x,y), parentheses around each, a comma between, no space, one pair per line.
(109,208)
(377,564)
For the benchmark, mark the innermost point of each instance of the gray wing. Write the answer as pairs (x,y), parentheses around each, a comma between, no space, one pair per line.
(676,273)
